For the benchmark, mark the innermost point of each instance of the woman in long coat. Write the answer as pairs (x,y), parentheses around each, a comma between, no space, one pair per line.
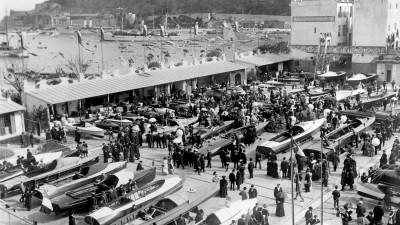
(280,210)
(223,187)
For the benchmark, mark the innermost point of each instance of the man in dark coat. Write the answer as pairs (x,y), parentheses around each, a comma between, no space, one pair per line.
(223,187)
(252,192)
(209,157)
(131,152)
(378,213)
(77,136)
(232,180)
(250,167)
(243,157)
(309,215)
(284,167)
(335,161)
(239,179)
(258,158)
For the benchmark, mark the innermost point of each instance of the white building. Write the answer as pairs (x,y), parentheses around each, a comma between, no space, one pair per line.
(11,118)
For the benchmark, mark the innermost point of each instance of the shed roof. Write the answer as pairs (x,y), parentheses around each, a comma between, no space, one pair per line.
(8,106)
(263,59)
(122,83)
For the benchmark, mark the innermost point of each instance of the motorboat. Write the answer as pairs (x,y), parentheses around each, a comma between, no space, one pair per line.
(379,116)
(345,134)
(300,132)
(333,76)
(79,198)
(17,170)
(376,99)
(182,203)
(318,92)
(289,80)
(132,201)
(85,128)
(302,74)
(129,116)
(86,176)
(356,79)
(58,169)
(209,132)
(235,211)
(120,122)
(275,83)
(227,139)
(106,125)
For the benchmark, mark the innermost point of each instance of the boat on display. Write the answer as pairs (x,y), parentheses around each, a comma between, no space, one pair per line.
(387,183)
(333,76)
(235,211)
(85,128)
(79,198)
(376,98)
(17,170)
(58,169)
(129,116)
(209,132)
(184,122)
(379,116)
(104,124)
(227,139)
(275,83)
(300,133)
(288,80)
(88,175)
(344,135)
(121,122)
(134,200)
(302,74)
(363,78)
(317,92)
(182,203)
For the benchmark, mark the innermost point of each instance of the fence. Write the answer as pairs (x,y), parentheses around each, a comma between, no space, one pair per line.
(8,218)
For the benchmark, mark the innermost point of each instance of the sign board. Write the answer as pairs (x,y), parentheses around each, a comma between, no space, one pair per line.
(343,49)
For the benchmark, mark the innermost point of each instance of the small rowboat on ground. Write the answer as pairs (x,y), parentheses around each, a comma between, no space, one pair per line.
(58,169)
(132,201)
(235,211)
(79,198)
(87,176)
(363,78)
(85,128)
(182,203)
(300,132)
(15,171)
(333,76)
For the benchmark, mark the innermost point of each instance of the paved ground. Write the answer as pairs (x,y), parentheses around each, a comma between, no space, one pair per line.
(263,183)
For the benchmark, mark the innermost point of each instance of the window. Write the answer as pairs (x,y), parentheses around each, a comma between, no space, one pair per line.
(351,11)
(315,30)
(5,124)
(339,31)
(340,12)
(344,30)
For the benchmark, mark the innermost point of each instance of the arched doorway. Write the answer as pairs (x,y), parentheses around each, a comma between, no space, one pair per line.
(238,79)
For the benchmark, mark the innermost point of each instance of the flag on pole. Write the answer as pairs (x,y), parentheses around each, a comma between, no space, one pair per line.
(145,30)
(101,34)
(297,149)
(80,41)
(162,31)
(46,206)
(196,28)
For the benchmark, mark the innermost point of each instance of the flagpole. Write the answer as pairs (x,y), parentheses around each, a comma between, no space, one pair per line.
(79,56)
(322,185)
(292,175)
(102,55)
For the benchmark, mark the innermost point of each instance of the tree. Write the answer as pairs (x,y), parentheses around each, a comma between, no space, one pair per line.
(76,66)
(213,53)
(154,65)
(274,48)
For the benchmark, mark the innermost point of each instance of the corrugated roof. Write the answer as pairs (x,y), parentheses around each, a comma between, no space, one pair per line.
(95,88)
(263,59)
(9,106)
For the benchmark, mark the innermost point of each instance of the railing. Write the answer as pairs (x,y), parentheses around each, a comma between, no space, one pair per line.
(9,218)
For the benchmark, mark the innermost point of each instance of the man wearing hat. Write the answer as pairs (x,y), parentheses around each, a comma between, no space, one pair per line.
(223,187)
(309,216)
(252,192)
(243,193)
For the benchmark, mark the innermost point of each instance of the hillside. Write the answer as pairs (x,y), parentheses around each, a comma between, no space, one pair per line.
(148,7)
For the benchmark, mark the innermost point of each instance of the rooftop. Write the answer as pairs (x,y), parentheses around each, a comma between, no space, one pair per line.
(263,59)
(89,89)
(8,106)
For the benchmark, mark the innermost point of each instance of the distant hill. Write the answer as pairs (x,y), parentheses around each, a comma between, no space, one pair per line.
(148,7)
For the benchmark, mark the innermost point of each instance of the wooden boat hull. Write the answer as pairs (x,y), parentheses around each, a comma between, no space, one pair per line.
(289,80)
(16,171)
(61,168)
(162,188)
(67,203)
(375,191)
(333,76)
(356,82)
(95,172)
(310,128)
(207,133)
(318,94)
(379,116)
(369,103)
(94,131)
(226,215)
(186,202)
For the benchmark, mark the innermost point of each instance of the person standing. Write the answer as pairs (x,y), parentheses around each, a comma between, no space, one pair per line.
(309,215)
(393,84)
(209,157)
(239,179)
(378,213)
(253,192)
(298,187)
(232,180)
(336,196)
(28,200)
(250,167)
(71,218)
(360,210)
(265,213)
(243,193)
(335,161)
(258,158)
(77,136)
(284,167)
(31,139)
(280,210)
(223,187)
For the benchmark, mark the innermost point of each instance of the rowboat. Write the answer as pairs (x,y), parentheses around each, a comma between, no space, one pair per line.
(235,210)
(138,198)
(58,169)
(333,76)
(227,139)
(377,191)
(17,170)
(300,133)
(89,175)
(345,134)
(209,132)
(182,203)
(363,78)
(79,198)
(85,128)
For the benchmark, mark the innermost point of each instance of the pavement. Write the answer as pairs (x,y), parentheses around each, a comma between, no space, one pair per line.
(261,181)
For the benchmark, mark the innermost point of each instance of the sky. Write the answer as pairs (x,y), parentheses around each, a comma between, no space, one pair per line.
(18,5)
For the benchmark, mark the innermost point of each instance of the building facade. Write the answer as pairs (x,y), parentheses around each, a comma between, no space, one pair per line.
(11,118)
